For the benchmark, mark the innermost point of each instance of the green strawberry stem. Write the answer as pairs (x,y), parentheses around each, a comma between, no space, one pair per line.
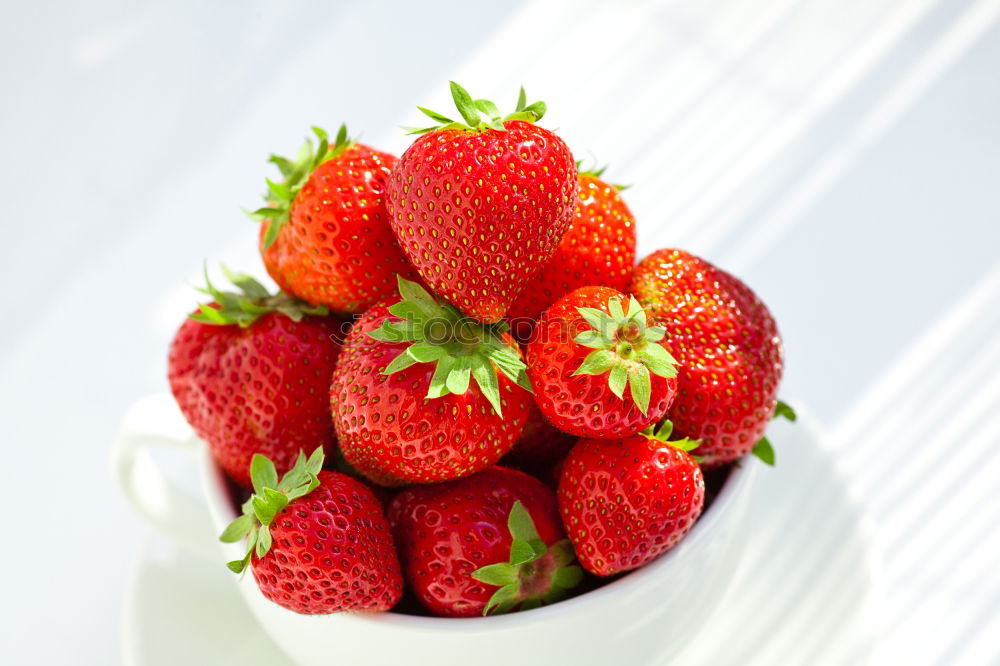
(294,174)
(480,114)
(269,497)
(625,349)
(249,304)
(462,349)
(535,574)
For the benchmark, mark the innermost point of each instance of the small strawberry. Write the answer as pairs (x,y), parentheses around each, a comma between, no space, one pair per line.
(325,236)
(728,345)
(423,394)
(585,351)
(598,249)
(251,374)
(318,542)
(479,207)
(492,542)
(627,501)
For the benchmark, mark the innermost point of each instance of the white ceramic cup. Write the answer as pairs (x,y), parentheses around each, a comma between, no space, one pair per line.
(644,617)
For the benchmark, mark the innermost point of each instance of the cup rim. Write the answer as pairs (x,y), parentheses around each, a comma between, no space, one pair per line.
(214,487)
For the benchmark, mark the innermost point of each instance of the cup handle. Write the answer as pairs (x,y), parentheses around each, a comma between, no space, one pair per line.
(155,421)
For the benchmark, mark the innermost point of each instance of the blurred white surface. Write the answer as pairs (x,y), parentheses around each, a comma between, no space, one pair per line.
(842,157)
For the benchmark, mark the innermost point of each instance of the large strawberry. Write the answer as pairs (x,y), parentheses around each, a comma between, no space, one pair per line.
(597,249)
(251,374)
(318,542)
(727,344)
(627,501)
(422,393)
(479,207)
(325,235)
(586,350)
(491,542)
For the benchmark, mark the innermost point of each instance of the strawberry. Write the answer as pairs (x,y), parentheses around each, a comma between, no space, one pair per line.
(729,347)
(479,207)
(584,353)
(325,236)
(251,374)
(492,542)
(597,249)
(422,394)
(625,502)
(318,542)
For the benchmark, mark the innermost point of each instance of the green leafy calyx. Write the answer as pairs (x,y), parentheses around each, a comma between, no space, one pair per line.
(535,574)
(663,432)
(462,349)
(270,496)
(763,449)
(626,349)
(595,171)
(783,409)
(479,114)
(294,173)
(251,302)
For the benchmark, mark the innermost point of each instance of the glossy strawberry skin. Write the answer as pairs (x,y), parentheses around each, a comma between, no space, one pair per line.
(392,434)
(337,248)
(446,531)
(477,213)
(625,502)
(332,551)
(261,389)
(584,405)
(728,346)
(598,249)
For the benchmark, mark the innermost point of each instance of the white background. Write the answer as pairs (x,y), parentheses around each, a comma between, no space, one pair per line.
(842,156)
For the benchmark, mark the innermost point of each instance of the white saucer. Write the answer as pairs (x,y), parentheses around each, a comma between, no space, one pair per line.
(803,594)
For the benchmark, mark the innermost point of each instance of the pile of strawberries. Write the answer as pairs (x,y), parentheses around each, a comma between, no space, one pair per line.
(466,387)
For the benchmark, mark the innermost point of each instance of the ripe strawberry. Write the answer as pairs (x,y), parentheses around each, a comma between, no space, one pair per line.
(491,542)
(318,542)
(478,208)
(584,353)
(325,236)
(404,404)
(598,249)
(625,502)
(729,347)
(251,374)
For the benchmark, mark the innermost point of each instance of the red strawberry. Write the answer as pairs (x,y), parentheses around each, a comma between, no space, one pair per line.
(492,542)
(318,542)
(478,208)
(586,350)
(729,347)
(325,236)
(251,374)
(423,394)
(627,501)
(598,249)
